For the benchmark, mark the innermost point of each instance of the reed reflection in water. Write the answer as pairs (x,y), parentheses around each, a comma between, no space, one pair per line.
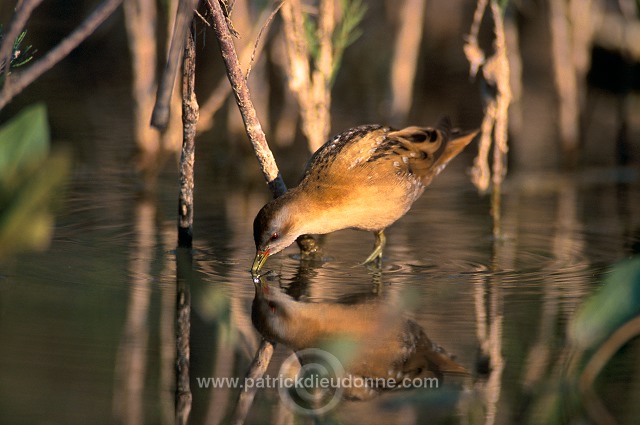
(114,348)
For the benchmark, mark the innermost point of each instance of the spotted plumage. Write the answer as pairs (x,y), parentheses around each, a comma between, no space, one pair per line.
(364,178)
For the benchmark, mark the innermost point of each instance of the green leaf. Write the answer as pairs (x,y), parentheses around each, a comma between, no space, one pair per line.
(24,143)
(30,182)
(347,31)
(617,302)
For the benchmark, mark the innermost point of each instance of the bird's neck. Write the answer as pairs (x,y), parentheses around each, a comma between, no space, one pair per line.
(308,213)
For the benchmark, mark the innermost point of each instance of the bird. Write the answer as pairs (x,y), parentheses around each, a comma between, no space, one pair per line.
(378,341)
(364,178)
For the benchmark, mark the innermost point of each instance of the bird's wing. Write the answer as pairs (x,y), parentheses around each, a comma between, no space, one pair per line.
(375,152)
(342,150)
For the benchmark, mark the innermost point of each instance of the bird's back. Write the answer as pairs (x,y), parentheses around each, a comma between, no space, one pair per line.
(362,166)
(382,154)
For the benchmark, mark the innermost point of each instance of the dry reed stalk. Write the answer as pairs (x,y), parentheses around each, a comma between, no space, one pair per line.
(496,73)
(269,168)
(219,95)
(311,89)
(405,58)
(243,99)
(183,396)
(140,22)
(161,110)
(267,165)
(19,21)
(565,78)
(187,159)
(18,80)
(594,406)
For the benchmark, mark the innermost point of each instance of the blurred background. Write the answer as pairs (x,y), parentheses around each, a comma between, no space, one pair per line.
(87,322)
(389,74)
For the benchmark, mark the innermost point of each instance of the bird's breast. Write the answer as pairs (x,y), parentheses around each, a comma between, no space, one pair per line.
(366,205)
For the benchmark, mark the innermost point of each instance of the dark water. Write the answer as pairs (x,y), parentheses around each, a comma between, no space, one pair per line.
(87,328)
(88,332)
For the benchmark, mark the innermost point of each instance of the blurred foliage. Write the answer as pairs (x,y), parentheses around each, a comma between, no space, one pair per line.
(503,5)
(346,32)
(615,304)
(30,181)
(563,395)
(19,55)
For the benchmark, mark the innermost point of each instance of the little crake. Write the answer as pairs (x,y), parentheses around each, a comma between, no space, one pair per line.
(364,178)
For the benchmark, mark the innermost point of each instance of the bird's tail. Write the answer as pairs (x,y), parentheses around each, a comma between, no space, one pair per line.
(444,362)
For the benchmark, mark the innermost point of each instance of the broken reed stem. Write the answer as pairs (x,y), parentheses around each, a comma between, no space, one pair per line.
(268,166)
(219,95)
(307,244)
(477,20)
(496,75)
(20,79)
(503,98)
(162,108)
(243,99)
(257,369)
(187,158)
(256,47)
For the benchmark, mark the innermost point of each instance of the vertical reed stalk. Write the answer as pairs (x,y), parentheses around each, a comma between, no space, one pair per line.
(496,75)
(187,158)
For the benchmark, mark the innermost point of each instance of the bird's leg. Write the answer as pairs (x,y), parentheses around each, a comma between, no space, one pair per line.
(376,255)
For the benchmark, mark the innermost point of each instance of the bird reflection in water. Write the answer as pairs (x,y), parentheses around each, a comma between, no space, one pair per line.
(373,340)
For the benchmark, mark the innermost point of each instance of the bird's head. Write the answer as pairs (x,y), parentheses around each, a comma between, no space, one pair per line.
(273,231)
(273,312)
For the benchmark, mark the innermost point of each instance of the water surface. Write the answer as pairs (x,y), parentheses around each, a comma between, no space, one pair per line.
(88,332)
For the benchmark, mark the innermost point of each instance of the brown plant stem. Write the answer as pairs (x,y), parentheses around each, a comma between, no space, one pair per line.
(140,23)
(219,95)
(268,166)
(269,169)
(162,109)
(187,158)
(257,369)
(307,244)
(183,330)
(565,78)
(405,57)
(243,99)
(496,74)
(23,11)
(311,89)
(592,403)
(21,79)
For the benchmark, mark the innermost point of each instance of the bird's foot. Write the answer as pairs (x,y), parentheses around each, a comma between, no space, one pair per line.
(374,258)
(376,255)
(309,248)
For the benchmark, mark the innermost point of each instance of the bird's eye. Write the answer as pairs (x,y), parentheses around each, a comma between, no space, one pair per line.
(274,236)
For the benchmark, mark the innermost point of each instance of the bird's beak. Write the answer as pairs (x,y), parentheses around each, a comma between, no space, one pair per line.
(258,262)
